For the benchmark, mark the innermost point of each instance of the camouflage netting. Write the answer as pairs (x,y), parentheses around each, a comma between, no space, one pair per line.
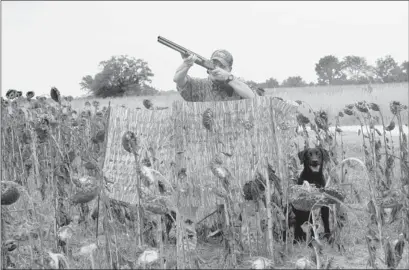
(307,197)
(246,131)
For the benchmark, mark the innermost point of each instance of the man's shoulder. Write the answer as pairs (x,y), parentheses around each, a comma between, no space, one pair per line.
(195,89)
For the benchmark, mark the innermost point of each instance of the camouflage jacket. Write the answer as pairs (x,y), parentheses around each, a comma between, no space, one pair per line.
(203,90)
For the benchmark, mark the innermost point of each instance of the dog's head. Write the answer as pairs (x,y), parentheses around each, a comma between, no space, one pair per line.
(314,158)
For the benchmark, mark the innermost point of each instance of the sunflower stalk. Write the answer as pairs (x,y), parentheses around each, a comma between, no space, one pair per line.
(270,247)
(403,151)
(139,207)
(387,169)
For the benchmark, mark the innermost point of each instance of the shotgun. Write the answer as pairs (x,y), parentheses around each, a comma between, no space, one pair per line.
(201,61)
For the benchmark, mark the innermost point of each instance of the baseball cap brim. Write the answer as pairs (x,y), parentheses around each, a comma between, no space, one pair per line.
(221,60)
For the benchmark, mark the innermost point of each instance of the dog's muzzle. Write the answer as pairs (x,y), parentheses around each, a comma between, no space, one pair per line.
(315,166)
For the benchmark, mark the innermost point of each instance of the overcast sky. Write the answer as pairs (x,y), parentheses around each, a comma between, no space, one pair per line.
(48,44)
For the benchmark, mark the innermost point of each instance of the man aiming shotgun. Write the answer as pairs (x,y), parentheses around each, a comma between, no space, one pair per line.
(220,85)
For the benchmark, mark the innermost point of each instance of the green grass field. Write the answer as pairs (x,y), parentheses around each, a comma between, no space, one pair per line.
(330,98)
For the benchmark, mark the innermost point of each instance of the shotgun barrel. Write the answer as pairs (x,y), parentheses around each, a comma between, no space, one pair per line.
(201,61)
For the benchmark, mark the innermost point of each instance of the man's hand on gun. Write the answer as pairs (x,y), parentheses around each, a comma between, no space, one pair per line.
(189,60)
(219,74)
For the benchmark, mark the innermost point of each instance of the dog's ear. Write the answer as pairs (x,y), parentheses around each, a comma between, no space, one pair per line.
(325,154)
(301,156)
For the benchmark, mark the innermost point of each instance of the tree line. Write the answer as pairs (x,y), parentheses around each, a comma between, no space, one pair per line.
(123,75)
(350,70)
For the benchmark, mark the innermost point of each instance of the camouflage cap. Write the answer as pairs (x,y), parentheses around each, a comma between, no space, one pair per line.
(223,56)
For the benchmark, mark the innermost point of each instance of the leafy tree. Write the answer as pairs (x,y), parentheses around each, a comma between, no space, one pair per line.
(356,69)
(86,82)
(294,81)
(120,75)
(404,72)
(328,69)
(270,83)
(252,83)
(387,70)
(147,90)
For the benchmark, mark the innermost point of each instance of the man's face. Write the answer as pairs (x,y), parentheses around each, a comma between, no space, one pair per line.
(220,65)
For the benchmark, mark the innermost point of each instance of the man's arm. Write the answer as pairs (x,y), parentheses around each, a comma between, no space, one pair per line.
(180,77)
(241,88)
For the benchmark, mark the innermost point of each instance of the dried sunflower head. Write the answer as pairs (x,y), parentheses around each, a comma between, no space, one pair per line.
(100,136)
(30,95)
(19,94)
(349,106)
(391,126)
(84,114)
(362,106)
(11,94)
(146,162)
(9,193)
(95,103)
(147,103)
(302,120)
(341,114)
(348,111)
(374,107)
(87,104)
(396,107)
(321,119)
(129,140)
(55,94)
(26,137)
(44,121)
(207,119)
(42,133)
(4,102)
